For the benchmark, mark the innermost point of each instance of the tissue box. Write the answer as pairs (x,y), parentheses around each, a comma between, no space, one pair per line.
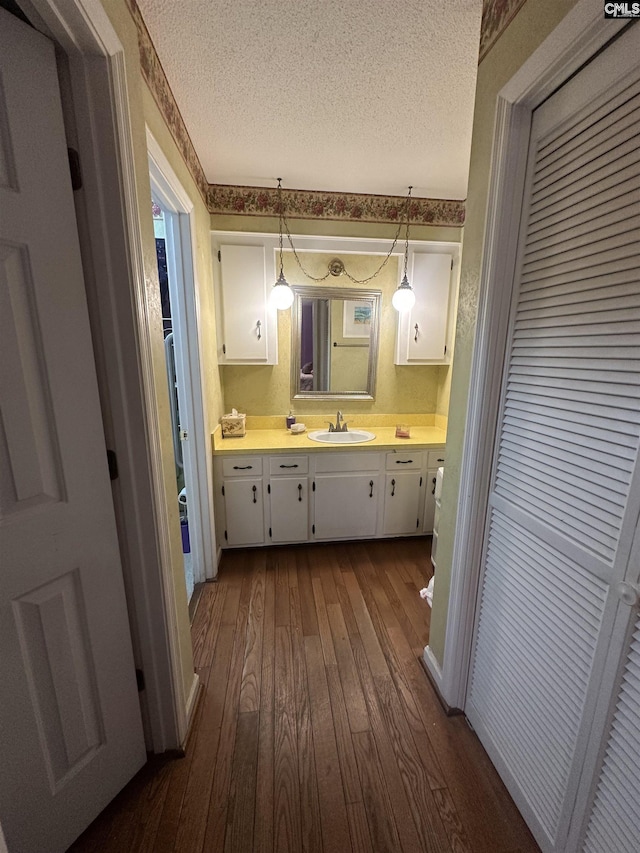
(234,425)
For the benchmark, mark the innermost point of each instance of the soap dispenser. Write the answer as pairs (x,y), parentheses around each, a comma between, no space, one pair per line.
(291,419)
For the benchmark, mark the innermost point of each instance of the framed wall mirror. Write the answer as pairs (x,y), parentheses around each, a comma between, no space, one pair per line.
(334,343)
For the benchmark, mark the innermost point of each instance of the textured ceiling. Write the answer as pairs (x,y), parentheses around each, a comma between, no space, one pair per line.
(363,96)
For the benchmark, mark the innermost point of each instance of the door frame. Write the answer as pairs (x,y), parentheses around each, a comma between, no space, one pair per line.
(111,245)
(185,314)
(577,38)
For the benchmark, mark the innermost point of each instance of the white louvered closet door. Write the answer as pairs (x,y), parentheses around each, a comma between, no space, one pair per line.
(563,503)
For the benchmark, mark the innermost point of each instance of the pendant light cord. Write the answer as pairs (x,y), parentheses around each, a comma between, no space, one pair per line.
(283,218)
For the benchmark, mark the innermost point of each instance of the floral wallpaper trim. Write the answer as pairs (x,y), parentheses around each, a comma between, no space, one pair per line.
(156,80)
(496,17)
(258,201)
(311,204)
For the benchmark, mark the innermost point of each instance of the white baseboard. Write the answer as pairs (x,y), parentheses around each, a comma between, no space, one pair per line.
(191,704)
(433,667)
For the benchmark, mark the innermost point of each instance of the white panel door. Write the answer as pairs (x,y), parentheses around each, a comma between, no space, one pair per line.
(70,728)
(563,504)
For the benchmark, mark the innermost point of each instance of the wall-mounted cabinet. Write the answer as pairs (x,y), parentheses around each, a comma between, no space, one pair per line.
(425,333)
(246,322)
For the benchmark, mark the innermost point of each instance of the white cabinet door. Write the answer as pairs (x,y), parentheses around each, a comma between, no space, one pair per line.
(244,304)
(346,505)
(422,332)
(244,511)
(402,503)
(289,505)
(430,501)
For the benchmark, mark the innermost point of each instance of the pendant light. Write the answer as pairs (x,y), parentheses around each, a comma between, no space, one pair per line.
(404,298)
(281,293)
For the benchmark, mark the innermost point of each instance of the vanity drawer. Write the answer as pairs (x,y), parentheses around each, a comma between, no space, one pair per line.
(406,461)
(240,466)
(288,465)
(328,463)
(435,458)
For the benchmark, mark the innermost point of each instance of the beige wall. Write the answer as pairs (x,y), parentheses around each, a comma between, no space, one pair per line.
(143,110)
(527,31)
(266,390)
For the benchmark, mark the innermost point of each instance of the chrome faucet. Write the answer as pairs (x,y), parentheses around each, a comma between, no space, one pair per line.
(338,427)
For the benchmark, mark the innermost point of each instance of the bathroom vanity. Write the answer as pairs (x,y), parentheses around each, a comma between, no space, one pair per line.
(320,495)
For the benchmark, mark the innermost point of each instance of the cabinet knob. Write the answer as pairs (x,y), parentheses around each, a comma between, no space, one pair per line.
(371,487)
(404,461)
(416,335)
(259,328)
(242,467)
(254,489)
(433,490)
(300,492)
(393,488)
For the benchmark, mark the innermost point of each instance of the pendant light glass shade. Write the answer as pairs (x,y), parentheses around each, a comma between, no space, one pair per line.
(281,293)
(404,298)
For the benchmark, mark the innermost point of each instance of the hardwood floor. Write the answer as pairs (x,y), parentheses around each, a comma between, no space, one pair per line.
(317,729)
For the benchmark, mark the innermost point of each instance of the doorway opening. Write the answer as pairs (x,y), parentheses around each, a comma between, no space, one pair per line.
(179,433)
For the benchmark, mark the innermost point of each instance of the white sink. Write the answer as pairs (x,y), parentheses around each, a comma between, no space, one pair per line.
(354,436)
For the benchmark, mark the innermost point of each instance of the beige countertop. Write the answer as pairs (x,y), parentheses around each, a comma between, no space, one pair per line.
(281,440)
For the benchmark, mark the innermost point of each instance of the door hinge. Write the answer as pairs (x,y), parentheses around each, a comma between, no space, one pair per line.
(313,528)
(223,491)
(112,462)
(140,680)
(219,256)
(74,169)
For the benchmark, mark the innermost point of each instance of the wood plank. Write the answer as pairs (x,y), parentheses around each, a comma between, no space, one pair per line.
(402,772)
(283,614)
(263,824)
(346,753)
(359,829)
(218,801)
(286,794)
(333,812)
(353,695)
(382,825)
(307,601)
(252,669)
(242,793)
(307,777)
(375,655)
(195,804)
(263,821)
(326,637)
